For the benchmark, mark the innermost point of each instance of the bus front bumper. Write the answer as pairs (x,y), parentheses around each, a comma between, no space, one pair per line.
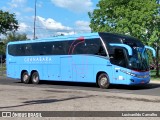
(138,81)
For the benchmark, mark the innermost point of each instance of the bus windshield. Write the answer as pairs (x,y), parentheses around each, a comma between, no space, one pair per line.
(139,61)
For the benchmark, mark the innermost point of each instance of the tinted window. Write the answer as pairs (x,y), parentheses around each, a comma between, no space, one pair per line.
(78,47)
(59,48)
(118,57)
(43,48)
(117,38)
(90,46)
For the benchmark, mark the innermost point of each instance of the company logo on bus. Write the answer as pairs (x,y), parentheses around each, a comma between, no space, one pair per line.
(37,59)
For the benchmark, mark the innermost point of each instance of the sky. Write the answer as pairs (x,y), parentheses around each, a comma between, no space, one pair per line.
(54,17)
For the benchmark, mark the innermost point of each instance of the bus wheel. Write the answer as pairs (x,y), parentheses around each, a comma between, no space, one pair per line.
(35,78)
(25,78)
(103,81)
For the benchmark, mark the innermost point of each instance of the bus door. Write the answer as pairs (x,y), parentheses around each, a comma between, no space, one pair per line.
(120,63)
(66,68)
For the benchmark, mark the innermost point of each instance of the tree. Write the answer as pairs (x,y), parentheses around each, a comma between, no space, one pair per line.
(15,37)
(1,48)
(10,37)
(8,22)
(138,18)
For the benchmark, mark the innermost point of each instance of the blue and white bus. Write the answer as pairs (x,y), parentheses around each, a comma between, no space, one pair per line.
(102,58)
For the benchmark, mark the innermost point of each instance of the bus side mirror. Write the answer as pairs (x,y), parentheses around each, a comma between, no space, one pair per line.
(152,49)
(129,49)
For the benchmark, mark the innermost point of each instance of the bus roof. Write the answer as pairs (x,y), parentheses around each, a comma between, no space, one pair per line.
(76,36)
(60,38)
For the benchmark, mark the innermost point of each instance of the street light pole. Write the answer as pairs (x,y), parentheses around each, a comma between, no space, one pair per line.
(35,14)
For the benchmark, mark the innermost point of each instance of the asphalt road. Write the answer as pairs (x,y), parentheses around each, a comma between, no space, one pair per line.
(63,96)
(152,89)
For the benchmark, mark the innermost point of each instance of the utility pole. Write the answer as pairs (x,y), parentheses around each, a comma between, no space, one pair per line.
(35,15)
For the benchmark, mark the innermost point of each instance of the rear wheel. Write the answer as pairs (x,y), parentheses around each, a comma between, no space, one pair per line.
(35,78)
(103,81)
(25,78)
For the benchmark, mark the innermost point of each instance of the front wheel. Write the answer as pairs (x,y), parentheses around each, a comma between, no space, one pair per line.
(35,78)
(103,81)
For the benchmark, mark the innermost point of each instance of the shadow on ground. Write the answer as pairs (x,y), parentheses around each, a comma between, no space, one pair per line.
(95,87)
(45,101)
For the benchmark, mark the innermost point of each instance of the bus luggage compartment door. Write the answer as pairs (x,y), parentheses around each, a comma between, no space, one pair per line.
(66,68)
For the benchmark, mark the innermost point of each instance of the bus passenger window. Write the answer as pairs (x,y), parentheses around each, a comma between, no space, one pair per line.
(28,50)
(55,49)
(95,47)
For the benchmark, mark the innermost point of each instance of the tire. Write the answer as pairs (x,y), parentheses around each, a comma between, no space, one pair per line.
(25,78)
(103,81)
(35,78)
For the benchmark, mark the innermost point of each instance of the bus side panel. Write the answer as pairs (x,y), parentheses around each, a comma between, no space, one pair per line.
(24,67)
(104,68)
(44,72)
(53,72)
(38,68)
(11,71)
(66,68)
(12,67)
(82,68)
(84,73)
(101,64)
(86,67)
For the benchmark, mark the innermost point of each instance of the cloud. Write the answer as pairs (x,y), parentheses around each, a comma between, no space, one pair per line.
(28,9)
(23,27)
(79,6)
(82,26)
(65,33)
(47,27)
(51,24)
(19,6)
(39,4)
(17,3)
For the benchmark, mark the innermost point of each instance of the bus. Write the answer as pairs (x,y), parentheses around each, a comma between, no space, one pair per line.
(101,58)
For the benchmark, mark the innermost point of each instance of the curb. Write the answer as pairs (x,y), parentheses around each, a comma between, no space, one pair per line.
(155,81)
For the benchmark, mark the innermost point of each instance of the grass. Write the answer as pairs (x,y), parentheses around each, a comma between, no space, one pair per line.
(2,69)
(153,75)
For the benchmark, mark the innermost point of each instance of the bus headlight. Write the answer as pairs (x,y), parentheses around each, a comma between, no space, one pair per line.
(132,74)
(142,76)
(135,75)
(129,73)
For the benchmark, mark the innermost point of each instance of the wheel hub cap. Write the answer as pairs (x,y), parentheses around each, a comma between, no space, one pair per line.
(103,81)
(35,79)
(25,78)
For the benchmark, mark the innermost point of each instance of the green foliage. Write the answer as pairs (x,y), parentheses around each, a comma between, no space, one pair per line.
(15,37)
(8,22)
(138,18)
(10,38)
(153,75)
(2,49)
